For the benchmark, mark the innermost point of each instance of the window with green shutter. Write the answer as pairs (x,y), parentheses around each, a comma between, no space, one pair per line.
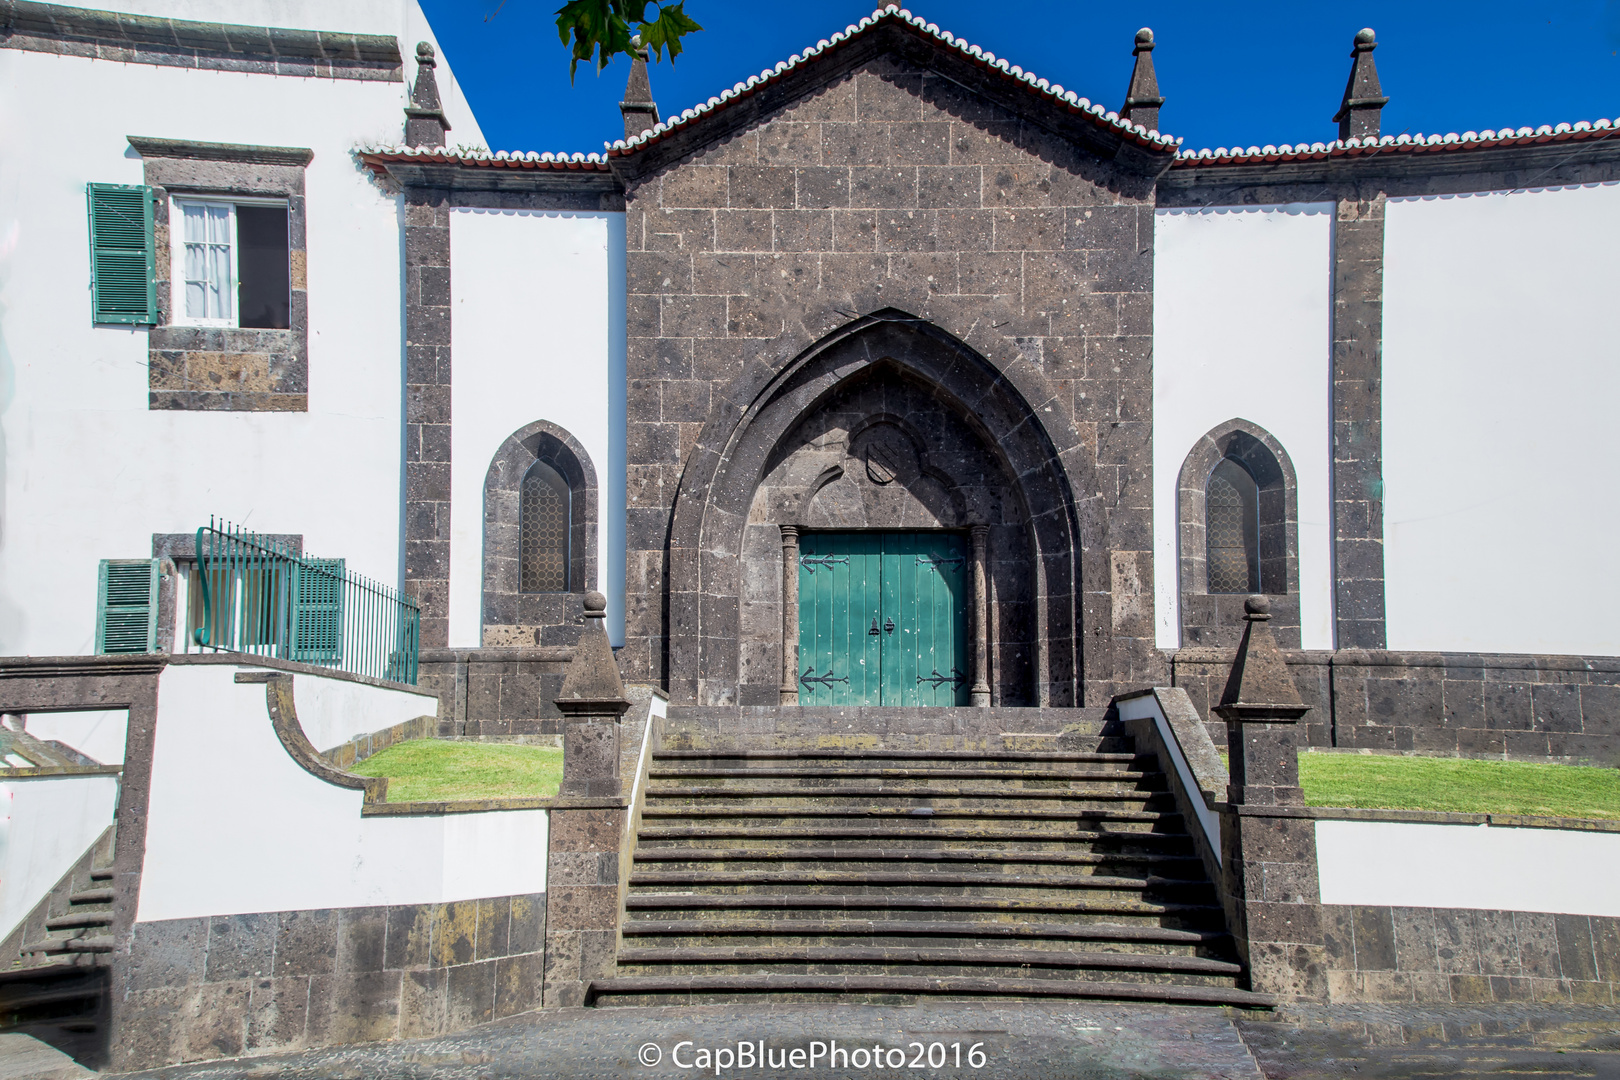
(318,611)
(123,258)
(127,606)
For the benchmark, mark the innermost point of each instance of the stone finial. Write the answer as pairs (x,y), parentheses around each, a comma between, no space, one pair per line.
(591,701)
(1142,100)
(1363,98)
(425,124)
(592,686)
(639,109)
(1260,685)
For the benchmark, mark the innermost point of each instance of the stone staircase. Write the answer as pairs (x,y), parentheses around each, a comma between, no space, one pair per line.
(54,967)
(885,854)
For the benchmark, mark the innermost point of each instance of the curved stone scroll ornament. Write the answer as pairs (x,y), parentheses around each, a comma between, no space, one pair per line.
(278,699)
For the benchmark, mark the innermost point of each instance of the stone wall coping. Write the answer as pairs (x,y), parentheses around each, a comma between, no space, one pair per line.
(51,667)
(297,156)
(54,771)
(1425,817)
(546,654)
(273,663)
(1390,658)
(428,808)
(147,39)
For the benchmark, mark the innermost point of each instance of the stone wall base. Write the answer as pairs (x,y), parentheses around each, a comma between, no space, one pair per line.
(240,985)
(1451,956)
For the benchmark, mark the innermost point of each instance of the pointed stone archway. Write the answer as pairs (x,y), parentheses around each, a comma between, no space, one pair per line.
(889,422)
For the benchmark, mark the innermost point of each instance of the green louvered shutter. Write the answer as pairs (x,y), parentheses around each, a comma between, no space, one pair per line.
(123,259)
(318,611)
(127,606)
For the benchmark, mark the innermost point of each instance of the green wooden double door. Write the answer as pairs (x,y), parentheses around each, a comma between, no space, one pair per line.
(883,618)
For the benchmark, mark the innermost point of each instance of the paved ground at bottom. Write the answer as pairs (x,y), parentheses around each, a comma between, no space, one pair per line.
(1037,1041)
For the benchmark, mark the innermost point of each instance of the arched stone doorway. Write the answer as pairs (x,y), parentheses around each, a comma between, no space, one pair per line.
(890,426)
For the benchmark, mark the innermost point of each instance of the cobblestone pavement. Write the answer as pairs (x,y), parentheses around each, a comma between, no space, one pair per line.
(1037,1041)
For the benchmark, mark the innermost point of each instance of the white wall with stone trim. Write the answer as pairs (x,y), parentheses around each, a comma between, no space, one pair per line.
(87,471)
(235,825)
(537,331)
(1485,867)
(402,19)
(1501,373)
(1242,318)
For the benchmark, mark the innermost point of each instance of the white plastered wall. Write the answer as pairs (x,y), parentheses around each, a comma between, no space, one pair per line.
(87,471)
(1402,864)
(333,711)
(537,330)
(235,825)
(1242,330)
(402,19)
(46,824)
(99,734)
(1501,373)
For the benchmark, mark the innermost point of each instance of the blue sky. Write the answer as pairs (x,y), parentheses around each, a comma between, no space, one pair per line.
(1235,75)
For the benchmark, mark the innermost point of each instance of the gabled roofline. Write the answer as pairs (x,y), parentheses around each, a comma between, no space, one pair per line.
(1064,103)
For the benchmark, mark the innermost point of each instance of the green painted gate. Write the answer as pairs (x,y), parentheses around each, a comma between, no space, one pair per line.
(883,619)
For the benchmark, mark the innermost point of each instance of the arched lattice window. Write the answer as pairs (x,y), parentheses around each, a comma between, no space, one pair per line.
(1232,515)
(543,528)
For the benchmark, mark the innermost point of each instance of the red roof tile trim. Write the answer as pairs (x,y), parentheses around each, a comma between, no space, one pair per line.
(1582,131)
(381,157)
(1050,92)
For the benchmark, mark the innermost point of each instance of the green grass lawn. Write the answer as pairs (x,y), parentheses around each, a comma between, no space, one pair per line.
(433,770)
(1380,781)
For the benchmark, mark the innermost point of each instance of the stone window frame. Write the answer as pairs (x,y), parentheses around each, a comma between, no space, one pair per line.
(1273,470)
(228,369)
(503,602)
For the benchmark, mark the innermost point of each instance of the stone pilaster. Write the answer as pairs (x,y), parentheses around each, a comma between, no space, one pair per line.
(979,694)
(1268,846)
(427,409)
(587,822)
(790,615)
(1358,442)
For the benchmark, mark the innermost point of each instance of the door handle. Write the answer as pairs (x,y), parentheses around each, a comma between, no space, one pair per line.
(888,624)
(874,631)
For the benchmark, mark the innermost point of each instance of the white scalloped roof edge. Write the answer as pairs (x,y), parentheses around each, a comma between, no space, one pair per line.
(439,153)
(1050,89)
(1466,138)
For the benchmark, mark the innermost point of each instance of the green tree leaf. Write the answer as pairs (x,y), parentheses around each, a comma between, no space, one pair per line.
(599,30)
(666,31)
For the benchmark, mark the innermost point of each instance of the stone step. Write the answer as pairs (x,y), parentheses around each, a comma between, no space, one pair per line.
(807,774)
(922,834)
(79,920)
(850,930)
(51,946)
(924,803)
(693,989)
(950,887)
(1178,866)
(940,758)
(822,960)
(102,874)
(922,787)
(1016,818)
(91,896)
(1063,909)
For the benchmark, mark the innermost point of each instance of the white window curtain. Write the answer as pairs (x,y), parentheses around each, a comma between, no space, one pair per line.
(210,231)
